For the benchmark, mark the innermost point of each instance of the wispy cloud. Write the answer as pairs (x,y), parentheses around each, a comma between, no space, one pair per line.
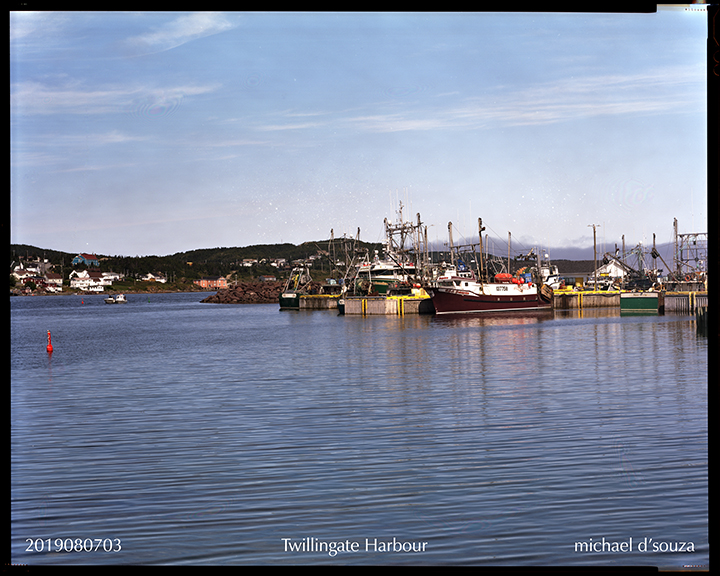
(547,103)
(34,97)
(294,126)
(38,25)
(94,167)
(552,102)
(99,139)
(183,29)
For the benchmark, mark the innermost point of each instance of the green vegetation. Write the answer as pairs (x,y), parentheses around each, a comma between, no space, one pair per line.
(181,268)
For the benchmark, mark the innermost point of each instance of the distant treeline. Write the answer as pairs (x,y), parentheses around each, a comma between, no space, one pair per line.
(195,264)
(198,263)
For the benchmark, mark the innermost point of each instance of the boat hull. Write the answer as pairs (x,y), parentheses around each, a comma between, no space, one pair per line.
(644,302)
(290,301)
(453,301)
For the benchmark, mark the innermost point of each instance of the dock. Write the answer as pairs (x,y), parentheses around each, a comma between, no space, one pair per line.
(674,302)
(388,305)
(685,302)
(589,299)
(318,301)
(701,321)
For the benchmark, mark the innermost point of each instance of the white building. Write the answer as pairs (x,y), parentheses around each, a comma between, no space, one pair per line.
(53,282)
(154,278)
(88,281)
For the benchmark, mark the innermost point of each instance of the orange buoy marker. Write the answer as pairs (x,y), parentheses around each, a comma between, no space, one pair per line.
(49,346)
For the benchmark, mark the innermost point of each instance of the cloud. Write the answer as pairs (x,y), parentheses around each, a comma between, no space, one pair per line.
(572,98)
(183,29)
(562,100)
(71,97)
(36,26)
(553,102)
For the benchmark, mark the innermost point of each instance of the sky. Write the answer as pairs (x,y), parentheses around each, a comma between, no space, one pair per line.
(151,133)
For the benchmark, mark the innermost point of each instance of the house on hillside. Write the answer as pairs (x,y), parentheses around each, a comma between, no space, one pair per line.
(212,282)
(113,276)
(88,280)
(37,281)
(21,274)
(53,282)
(87,259)
(154,277)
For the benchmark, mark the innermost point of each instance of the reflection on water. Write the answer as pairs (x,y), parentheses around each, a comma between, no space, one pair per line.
(204,434)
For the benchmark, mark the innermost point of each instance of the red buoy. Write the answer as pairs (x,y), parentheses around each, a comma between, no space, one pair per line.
(49,346)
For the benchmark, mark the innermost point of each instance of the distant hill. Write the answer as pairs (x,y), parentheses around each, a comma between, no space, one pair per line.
(225,260)
(193,263)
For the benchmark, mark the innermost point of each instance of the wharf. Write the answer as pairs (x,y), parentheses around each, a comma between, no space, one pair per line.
(567,300)
(319,301)
(676,302)
(685,302)
(388,305)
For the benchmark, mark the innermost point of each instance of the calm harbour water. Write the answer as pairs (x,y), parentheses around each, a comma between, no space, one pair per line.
(167,431)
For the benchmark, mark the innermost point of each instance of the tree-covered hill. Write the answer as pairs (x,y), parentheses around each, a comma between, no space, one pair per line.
(194,264)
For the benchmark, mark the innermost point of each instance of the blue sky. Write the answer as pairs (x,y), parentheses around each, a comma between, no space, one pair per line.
(155,133)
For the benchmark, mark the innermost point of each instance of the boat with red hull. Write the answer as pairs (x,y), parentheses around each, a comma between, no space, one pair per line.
(462,291)
(460,295)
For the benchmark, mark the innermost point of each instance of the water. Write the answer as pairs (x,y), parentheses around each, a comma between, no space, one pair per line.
(166,431)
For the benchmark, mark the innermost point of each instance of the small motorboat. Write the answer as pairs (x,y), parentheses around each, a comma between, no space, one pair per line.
(117,299)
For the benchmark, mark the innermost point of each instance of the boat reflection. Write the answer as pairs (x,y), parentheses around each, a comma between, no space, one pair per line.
(494,318)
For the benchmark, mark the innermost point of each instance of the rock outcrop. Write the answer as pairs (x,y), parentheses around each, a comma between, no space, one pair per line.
(248,293)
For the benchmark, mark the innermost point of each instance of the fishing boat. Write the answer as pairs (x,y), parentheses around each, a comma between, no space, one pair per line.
(385,275)
(297,285)
(398,268)
(459,294)
(460,290)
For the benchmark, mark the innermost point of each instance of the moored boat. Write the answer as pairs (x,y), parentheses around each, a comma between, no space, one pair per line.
(463,291)
(384,276)
(296,285)
(117,299)
(461,295)
(643,302)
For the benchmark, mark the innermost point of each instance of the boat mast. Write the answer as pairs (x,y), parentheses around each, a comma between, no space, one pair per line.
(509,248)
(452,253)
(481,264)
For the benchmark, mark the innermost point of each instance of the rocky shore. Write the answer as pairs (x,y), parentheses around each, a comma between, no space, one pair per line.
(248,293)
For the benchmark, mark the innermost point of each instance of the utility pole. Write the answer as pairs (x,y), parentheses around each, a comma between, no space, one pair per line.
(594,253)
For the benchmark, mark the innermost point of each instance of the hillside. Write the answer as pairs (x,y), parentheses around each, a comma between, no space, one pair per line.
(195,263)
